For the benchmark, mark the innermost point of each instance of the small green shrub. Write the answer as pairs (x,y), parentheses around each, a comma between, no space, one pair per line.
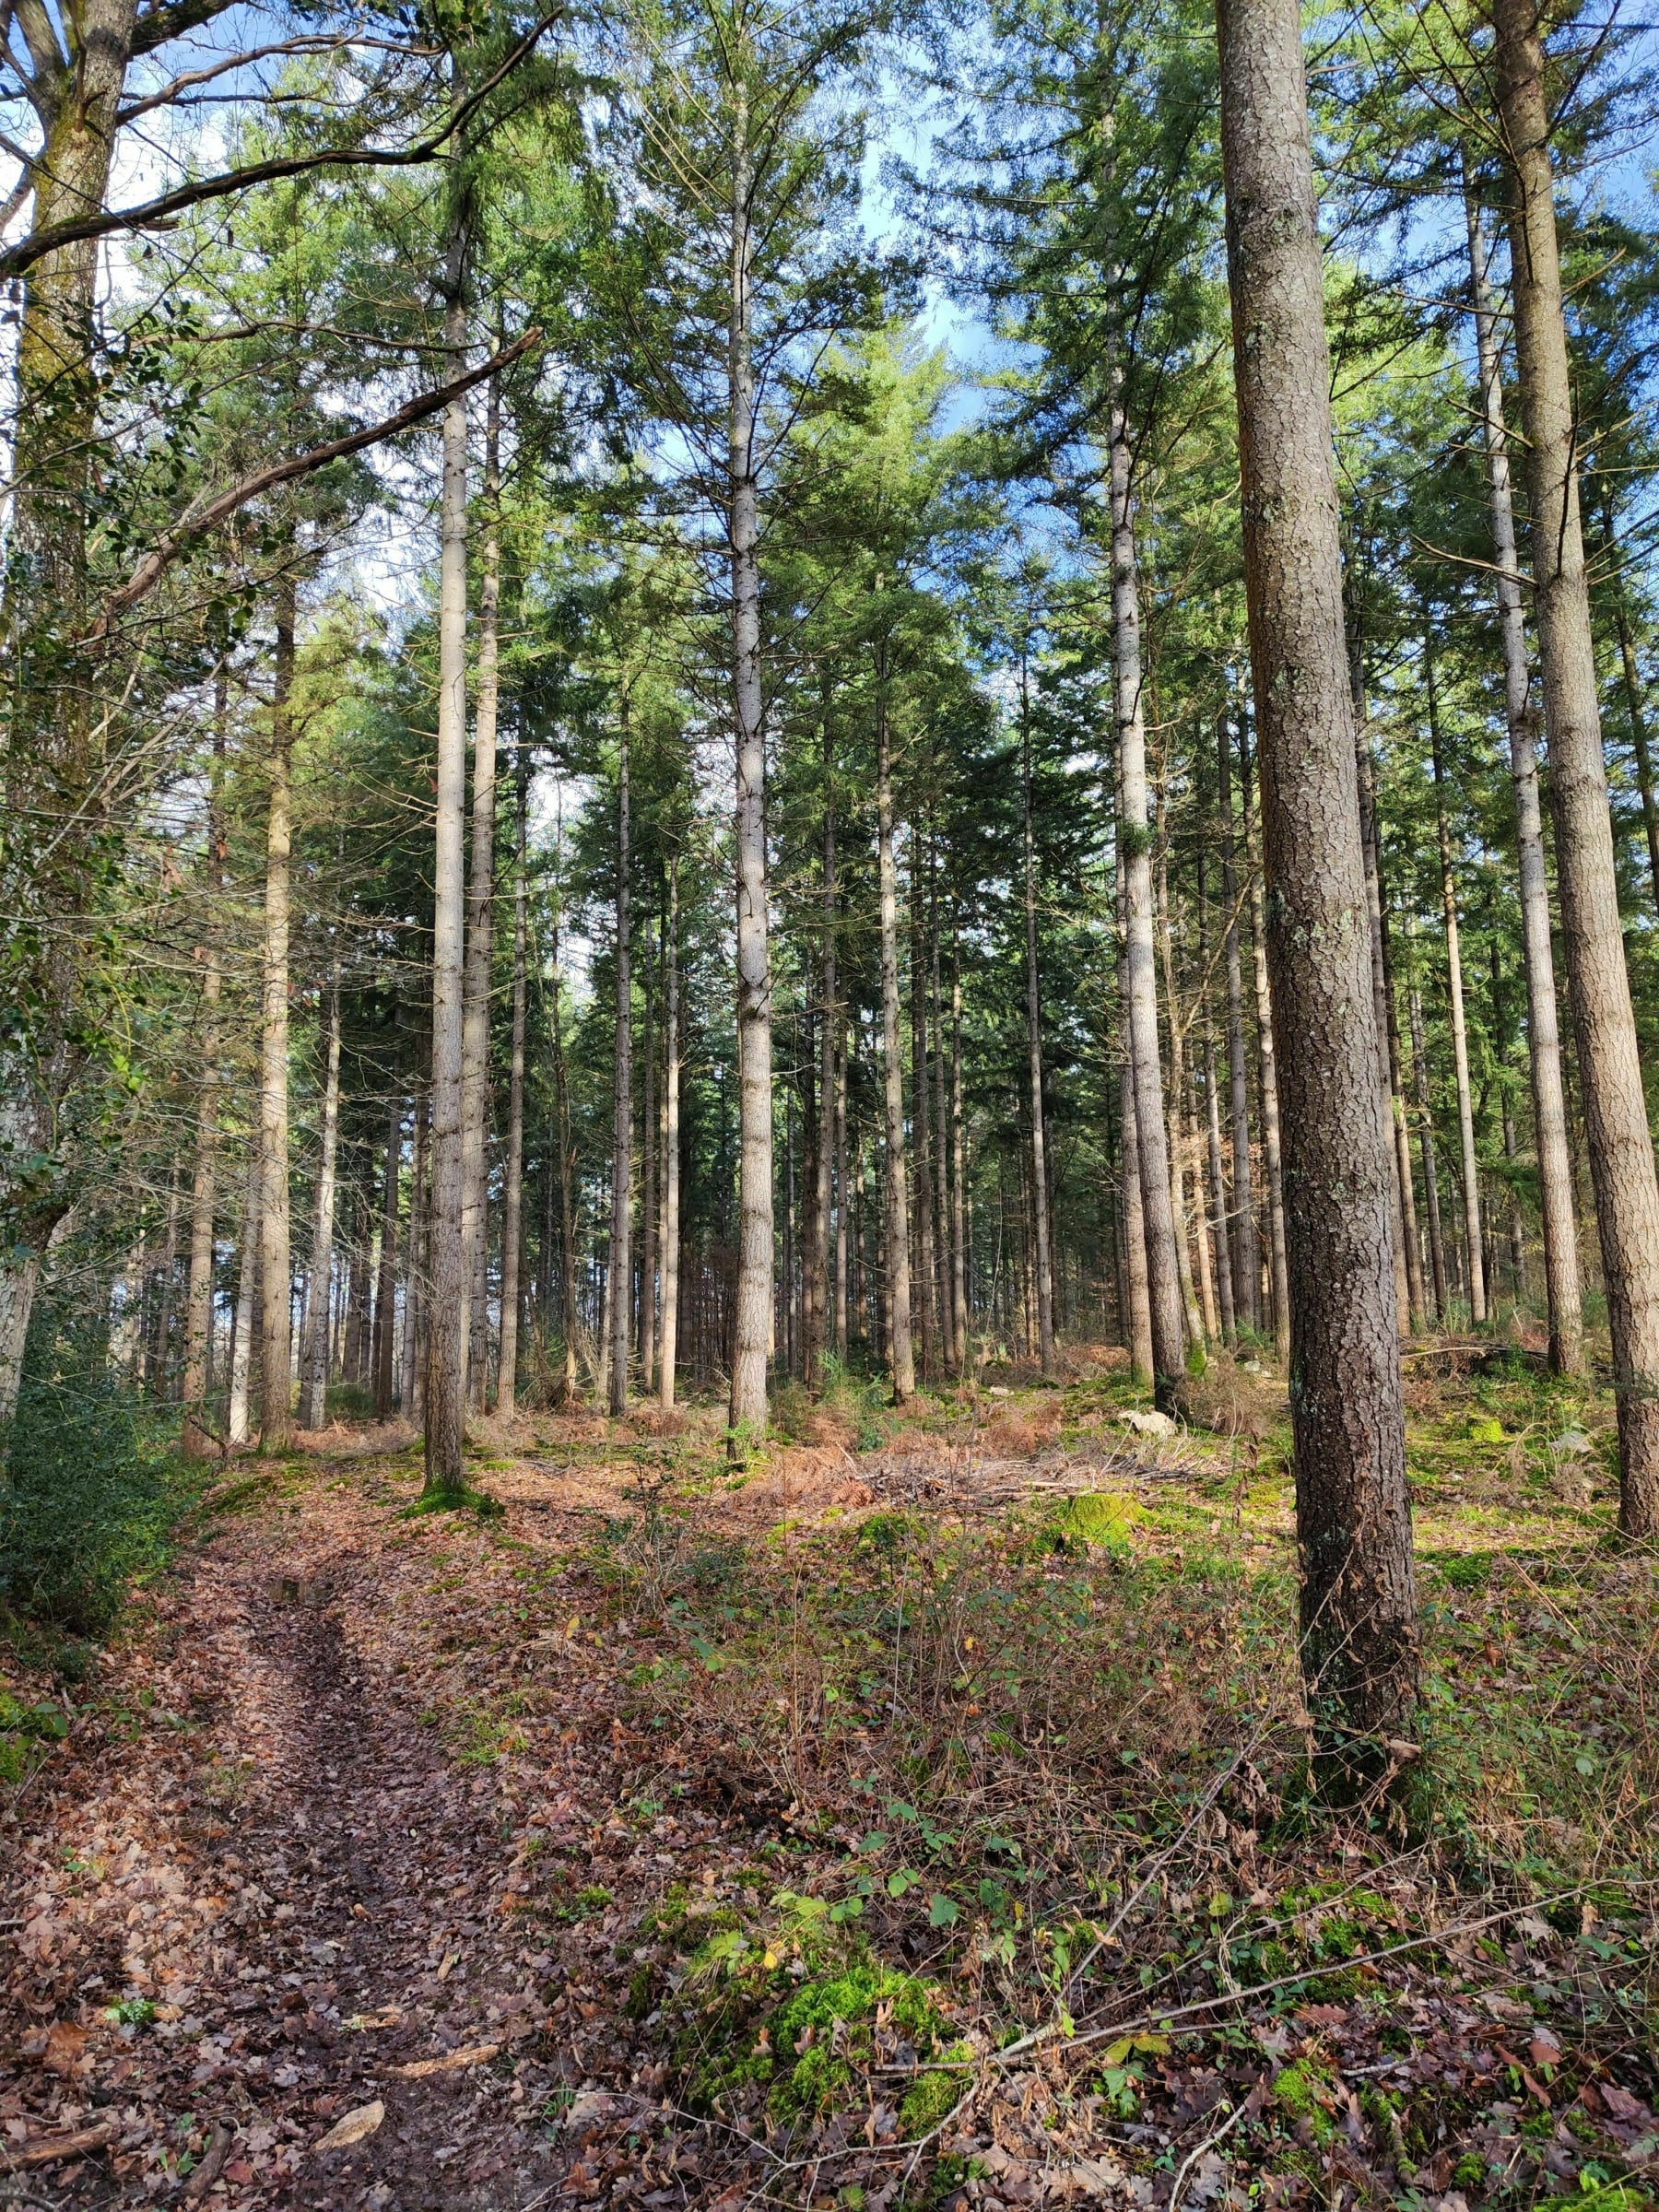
(92,1488)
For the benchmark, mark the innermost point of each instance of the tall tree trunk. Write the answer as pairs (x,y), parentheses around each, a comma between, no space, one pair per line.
(1543,1024)
(896,1214)
(649,1222)
(1358,1603)
(569,1318)
(927,1278)
(413,1384)
(385,1294)
(1455,987)
(1178,1146)
(480,926)
(1638,720)
(842,1194)
(1404,1181)
(1267,1081)
(671,1142)
(941,1122)
(1620,1143)
(1370,845)
(1437,1242)
(513,1197)
(1224,1283)
(238,1425)
(445,1408)
(819,1294)
(1134,858)
(50,875)
(276,1413)
(314,1358)
(754,1312)
(1045,1281)
(621,1246)
(197,1440)
(1247,1260)
(958,1165)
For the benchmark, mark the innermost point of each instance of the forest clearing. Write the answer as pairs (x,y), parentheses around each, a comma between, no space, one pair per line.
(828,1049)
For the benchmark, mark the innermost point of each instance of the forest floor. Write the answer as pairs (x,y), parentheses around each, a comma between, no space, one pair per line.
(919,1818)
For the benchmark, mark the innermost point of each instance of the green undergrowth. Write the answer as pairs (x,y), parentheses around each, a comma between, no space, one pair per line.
(92,1493)
(789,2011)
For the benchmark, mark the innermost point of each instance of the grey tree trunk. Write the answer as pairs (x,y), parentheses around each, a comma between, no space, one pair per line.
(1224,1283)
(671,1142)
(958,1168)
(1359,1604)
(843,1194)
(650,1224)
(570,1320)
(1616,1123)
(314,1358)
(896,1214)
(196,1438)
(1178,1084)
(1454,990)
(621,1244)
(385,1290)
(411,1383)
(1267,1086)
(1044,1270)
(480,923)
(754,1308)
(1543,1021)
(445,1407)
(1437,1243)
(1134,858)
(512,1196)
(276,1412)
(1247,1261)
(238,1425)
(818,1291)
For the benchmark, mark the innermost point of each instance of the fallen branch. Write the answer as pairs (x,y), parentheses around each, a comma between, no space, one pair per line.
(46,2151)
(197,521)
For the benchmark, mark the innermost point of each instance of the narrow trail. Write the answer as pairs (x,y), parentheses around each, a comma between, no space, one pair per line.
(307,1898)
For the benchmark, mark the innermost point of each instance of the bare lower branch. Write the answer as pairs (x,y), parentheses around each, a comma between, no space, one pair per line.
(197,522)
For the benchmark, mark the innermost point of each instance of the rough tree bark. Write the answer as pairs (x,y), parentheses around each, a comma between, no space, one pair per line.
(313,1356)
(196,1438)
(1359,1609)
(512,1196)
(1135,859)
(276,1410)
(671,1142)
(480,923)
(1616,1123)
(1246,1246)
(896,1214)
(445,1407)
(1468,1156)
(621,1229)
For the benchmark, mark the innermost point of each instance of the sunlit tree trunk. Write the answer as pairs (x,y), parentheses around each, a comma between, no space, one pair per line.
(196,1438)
(1454,989)
(1178,1084)
(649,1133)
(569,1316)
(238,1425)
(842,1194)
(1359,1604)
(895,1213)
(819,1300)
(386,1292)
(1134,858)
(480,925)
(621,1247)
(671,1142)
(959,1167)
(754,1308)
(449,1292)
(1224,1283)
(1616,1123)
(927,1280)
(1267,1086)
(413,1384)
(512,1196)
(1247,1261)
(1543,1024)
(276,1413)
(313,1356)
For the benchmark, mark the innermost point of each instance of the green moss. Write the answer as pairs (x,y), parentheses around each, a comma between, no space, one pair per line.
(932,2100)
(1100,1518)
(1301,2091)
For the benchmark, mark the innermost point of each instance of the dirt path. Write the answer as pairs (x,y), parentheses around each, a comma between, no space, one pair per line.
(302,1899)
